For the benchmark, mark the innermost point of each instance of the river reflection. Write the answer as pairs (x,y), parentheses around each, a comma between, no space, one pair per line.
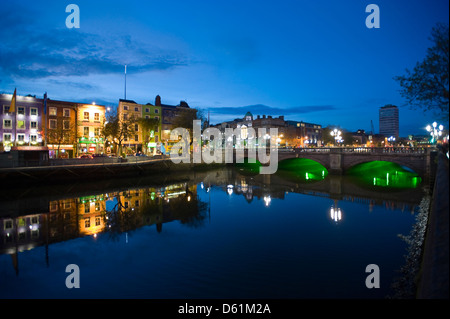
(215,234)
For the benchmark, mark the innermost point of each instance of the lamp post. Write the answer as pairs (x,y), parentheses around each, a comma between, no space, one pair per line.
(435,131)
(391,139)
(337,135)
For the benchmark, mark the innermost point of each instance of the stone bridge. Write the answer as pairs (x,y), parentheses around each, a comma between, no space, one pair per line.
(337,160)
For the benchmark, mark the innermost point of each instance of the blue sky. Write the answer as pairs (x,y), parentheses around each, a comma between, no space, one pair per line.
(314,61)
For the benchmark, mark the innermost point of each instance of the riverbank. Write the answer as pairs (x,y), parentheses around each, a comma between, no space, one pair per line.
(434,274)
(94,171)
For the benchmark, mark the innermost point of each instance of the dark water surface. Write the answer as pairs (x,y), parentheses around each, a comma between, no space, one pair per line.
(218,234)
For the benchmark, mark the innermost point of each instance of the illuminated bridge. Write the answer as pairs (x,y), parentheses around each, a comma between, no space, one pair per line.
(337,160)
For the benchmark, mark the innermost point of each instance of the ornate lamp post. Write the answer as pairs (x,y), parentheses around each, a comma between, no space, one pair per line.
(435,131)
(337,135)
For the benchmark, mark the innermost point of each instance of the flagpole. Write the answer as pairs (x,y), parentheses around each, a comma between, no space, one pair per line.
(12,108)
(125,81)
(45,119)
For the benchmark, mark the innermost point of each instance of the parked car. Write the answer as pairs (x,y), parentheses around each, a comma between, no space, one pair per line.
(85,156)
(99,155)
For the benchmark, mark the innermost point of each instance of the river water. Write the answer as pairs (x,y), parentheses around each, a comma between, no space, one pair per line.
(224,233)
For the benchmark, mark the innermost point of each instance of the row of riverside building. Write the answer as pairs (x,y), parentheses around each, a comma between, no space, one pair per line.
(69,129)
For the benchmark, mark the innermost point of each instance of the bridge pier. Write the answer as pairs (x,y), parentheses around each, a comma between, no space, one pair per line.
(335,163)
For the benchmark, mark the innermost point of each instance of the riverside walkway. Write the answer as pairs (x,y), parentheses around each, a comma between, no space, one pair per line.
(434,275)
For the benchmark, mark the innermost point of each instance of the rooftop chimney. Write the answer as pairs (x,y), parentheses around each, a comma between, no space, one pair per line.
(158,100)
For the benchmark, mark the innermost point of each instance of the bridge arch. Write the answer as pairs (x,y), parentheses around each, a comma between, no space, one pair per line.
(402,164)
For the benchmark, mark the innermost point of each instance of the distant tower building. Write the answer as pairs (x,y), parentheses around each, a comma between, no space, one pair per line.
(389,121)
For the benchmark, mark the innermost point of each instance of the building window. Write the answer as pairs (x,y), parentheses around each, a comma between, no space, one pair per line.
(66,113)
(136,138)
(66,125)
(97,221)
(5,109)
(87,208)
(97,206)
(156,111)
(96,117)
(125,117)
(6,137)
(52,124)
(21,110)
(21,125)
(7,124)
(52,111)
(97,131)
(53,206)
(136,127)
(136,109)
(67,205)
(147,110)
(87,222)
(33,124)
(21,137)
(125,204)
(86,131)
(157,118)
(33,111)
(147,117)
(33,138)
(8,224)
(86,116)
(125,107)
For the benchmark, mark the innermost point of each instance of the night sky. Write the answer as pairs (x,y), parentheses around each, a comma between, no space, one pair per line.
(314,61)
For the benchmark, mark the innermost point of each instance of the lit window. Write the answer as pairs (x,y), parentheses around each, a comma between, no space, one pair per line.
(7,137)
(52,111)
(21,125)
(86,116)
(66,125)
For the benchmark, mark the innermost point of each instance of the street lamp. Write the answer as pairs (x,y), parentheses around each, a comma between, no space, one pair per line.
(337,135)
(435,131)
(391,139)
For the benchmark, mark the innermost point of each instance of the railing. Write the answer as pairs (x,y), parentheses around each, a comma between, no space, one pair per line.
(365,150)
(82,161)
